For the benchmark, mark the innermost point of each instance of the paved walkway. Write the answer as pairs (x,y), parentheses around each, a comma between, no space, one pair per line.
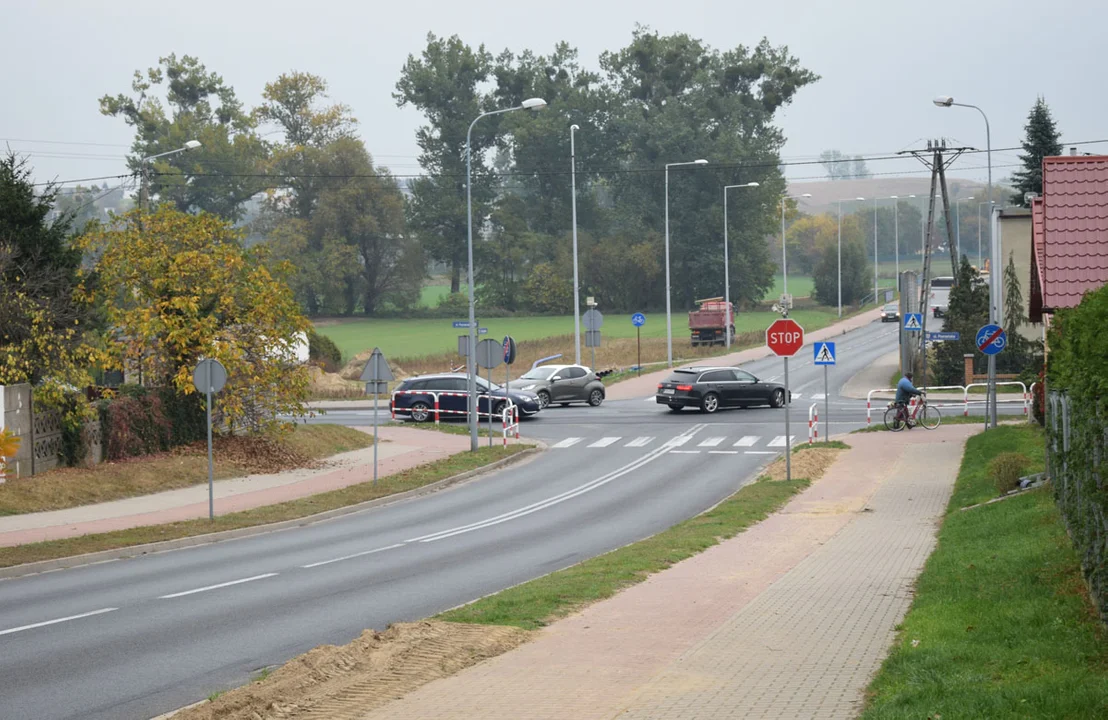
(789,619)
(400,449)
(645,385)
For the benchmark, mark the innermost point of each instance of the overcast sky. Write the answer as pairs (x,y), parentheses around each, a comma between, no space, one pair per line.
(881,63)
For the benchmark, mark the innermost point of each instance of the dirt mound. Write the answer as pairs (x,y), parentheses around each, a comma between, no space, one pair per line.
(809,464)
(325,384)
(352,370)
(345,682)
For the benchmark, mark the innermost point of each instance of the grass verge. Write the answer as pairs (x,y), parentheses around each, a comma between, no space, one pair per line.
(1001,625)
(538,602)
(182,467)
(292,510)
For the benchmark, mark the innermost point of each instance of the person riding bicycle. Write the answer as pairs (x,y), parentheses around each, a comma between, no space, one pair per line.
(905,391)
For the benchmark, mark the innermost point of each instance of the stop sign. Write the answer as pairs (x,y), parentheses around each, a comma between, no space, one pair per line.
(784,337)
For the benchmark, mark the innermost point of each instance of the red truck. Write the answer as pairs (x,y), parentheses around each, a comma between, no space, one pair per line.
(710,321)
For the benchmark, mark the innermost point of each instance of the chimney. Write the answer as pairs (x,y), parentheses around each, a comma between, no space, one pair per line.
(1073,151)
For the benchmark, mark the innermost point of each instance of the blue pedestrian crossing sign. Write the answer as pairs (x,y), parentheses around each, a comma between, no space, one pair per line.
(913,322)
(824,353)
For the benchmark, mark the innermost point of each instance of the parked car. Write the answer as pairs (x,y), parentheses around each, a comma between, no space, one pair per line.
(409,398)
(890,313)
(562,384)
(713,388)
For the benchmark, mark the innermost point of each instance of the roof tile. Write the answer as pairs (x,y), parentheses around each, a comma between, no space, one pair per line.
(1070,228)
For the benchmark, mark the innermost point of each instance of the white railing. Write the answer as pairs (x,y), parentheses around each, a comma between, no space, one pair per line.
(813,423)
(1024,400)
(509,422)
(437,410)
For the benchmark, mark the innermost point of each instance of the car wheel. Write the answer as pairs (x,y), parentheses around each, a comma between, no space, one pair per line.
(544,399)
(420,411)
(596,397)
(777,399)
(710,403)
(498,409)
(676,408)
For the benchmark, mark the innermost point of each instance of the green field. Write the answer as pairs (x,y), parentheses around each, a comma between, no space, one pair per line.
(413,338)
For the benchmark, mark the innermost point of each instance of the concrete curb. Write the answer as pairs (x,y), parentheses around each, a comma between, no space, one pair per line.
(42,566)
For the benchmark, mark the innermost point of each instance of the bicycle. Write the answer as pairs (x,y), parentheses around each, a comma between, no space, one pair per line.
(922,414)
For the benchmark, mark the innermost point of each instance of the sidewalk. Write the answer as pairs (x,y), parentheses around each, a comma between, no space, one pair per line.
(789,619)
(644,385)
(400,449)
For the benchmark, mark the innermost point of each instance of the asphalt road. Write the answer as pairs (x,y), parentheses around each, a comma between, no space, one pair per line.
(135,638)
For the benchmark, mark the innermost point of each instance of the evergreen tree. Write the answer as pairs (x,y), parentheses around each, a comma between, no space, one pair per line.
(1041,140)
(1013,297)
(967,312)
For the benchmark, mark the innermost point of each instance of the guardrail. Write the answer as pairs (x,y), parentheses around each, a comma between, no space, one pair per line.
(813,423)
(437,410)
(509,420)
(1024,400)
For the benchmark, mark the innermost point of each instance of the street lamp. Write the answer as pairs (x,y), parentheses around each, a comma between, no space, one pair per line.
(784,265)
(669,318)
(144,192)
(958,227)
(471,354)
(980,259)
(859,199)
(727,262)
(576,286)
(994,276)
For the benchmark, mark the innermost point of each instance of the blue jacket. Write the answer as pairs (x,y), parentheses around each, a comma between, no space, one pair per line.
(905,390)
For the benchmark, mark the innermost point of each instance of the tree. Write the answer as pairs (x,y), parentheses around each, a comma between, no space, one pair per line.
(856,270)
(837,165)
(808,237)
(1041,140)
(1013,297)
(967,311)
(176,288)
(859,169)
(215,178)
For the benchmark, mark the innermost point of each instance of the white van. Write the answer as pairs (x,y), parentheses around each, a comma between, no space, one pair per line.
(940,295)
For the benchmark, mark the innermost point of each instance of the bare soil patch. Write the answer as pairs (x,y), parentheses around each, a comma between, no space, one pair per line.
(345,682)
(809,464)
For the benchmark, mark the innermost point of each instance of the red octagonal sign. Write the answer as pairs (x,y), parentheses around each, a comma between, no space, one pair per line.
(785,337)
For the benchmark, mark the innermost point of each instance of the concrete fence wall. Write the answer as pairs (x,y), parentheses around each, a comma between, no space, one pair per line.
(40,433)
(17,418)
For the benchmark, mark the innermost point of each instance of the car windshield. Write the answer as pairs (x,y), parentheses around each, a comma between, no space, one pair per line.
(539,373)
(891,307)
(484,385)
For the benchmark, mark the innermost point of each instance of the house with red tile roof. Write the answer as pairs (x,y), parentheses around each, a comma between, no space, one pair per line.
(1069,233)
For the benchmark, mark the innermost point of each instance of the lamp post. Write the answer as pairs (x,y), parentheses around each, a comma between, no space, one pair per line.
(994,276)
(980,257)
(859,199)
(576,285)
(144,191)
(727,262)
(669,318)
(471,355)
(875,302)
(958,226)
(784,262)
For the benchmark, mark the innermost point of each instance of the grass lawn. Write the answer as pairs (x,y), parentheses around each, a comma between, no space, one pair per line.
(1001,625)
(431,294)
(182,467)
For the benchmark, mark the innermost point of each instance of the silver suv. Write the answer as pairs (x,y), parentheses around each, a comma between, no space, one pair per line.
(561,384)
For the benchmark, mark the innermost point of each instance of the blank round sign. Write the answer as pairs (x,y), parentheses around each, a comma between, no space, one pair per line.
(209,373)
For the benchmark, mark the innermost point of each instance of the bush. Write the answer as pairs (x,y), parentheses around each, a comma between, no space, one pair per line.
(323,351)
(141,421)
(1007,469)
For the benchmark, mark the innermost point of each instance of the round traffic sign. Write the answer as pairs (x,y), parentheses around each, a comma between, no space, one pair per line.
(509,346)
(991,339)
(209,375)
(638,319)
(784,337)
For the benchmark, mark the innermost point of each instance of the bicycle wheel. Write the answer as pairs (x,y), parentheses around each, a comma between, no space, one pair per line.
(929,417)
(893,421)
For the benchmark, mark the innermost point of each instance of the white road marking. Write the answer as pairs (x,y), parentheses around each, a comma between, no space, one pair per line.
(640,442)
(677,441)
(759,452)
(605,441)
(649,399)
(795,396)
(21,628)
(556,499)
(711,442)
(685,452)
(723,452)
(351,557)
(566,443)
(779,441)
(747,441)
(216,587)
(819,396)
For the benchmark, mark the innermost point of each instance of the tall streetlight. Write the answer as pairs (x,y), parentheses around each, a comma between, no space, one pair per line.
(994,276)
(669,318)
(875,301)
(471,354)
(576,285)
(958,227)
(859,199)
(727,261)
(784,262)
(144,191)
(980,257)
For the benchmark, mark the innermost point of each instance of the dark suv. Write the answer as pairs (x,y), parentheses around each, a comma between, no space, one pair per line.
(415,398)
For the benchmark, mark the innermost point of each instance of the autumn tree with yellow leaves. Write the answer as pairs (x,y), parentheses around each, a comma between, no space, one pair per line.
(175,288)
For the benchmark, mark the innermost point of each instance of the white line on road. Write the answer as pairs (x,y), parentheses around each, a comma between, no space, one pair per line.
(711,442)
(605,442)
(685,452)
(779,441)
(216,587)
(723,452)
(351,557)
(677,441)
(639,442)
(747,441)
(759,452)
(819,396)
(566,443)
(21,628)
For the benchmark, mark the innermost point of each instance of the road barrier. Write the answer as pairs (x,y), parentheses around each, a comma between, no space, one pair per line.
(813,423)
(437,410)
(1024,400)
(509,420)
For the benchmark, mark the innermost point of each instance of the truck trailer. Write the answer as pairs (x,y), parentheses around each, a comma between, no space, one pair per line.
(710,322)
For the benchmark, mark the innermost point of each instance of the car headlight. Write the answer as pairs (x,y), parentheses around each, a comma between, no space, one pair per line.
(529,387)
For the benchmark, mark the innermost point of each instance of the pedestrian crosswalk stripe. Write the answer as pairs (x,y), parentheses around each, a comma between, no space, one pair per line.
(712,442)
(747,441)
(819,396)
(678,441)
(795,396)
(605,442)
(779,441)
(639,442)
(566,443)
(723,452)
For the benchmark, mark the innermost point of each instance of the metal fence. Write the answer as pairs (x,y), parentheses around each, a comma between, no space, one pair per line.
(1077,429)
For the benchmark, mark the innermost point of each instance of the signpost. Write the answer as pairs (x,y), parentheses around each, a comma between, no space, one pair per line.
(490,354)
(592,320)
(824,354)
(209,377)
(376,375)
(638,320)
(913,322)
(991,339)
(944,336)
(784,338)
(509,346)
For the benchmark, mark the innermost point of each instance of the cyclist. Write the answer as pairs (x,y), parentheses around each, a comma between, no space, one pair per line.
(905,391)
